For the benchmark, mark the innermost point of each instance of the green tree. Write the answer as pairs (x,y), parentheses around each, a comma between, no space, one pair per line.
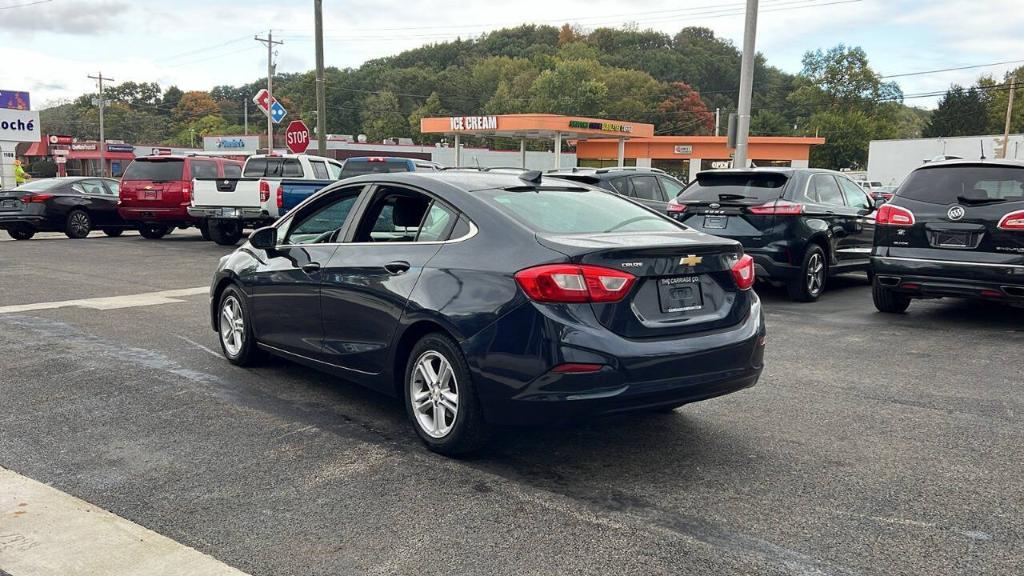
(431,108)
(769,123)
(959,113)
(572,87)
(172,96)
(382,117)
(997,95)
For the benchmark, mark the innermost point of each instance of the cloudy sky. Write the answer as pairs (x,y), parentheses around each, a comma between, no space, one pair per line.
(50,46)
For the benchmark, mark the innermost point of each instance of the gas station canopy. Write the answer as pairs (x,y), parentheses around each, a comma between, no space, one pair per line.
(536,126)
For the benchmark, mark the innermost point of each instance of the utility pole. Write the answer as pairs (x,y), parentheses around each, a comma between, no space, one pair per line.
(245,115)
(270,42)
(103,141)
(746,86)
(321,101)
(1006,130)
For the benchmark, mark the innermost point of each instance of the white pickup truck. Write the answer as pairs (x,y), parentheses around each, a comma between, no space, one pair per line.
(228,205)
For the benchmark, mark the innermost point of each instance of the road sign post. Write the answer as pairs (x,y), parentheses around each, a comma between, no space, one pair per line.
(296,136)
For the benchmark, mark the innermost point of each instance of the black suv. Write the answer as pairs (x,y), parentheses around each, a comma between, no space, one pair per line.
(954,228)
(800,225)
(649,186)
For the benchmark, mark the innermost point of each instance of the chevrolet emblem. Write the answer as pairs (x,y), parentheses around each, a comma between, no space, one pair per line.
(148,188)
(690,260)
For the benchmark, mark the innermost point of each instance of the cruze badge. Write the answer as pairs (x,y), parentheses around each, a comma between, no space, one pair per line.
(690,260)
(956,212)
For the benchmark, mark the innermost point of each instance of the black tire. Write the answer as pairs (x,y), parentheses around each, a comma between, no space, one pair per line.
(78,224)
(153,231)
(113,232)
(225,233)
(803,288)
(204,228)
(887,300)
(21,234)
(467,431)
(246,353)
(667,409)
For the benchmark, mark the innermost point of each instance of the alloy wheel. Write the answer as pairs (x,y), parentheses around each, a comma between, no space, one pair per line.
(232,326)
(80,223)
(435,394)
(815,273)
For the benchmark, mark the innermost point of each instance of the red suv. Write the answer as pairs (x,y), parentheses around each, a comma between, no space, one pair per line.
(156,190)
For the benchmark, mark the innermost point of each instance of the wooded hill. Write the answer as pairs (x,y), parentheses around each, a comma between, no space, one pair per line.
(673,81)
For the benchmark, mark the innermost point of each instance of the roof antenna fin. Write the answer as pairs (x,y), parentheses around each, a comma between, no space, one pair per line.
(531,176)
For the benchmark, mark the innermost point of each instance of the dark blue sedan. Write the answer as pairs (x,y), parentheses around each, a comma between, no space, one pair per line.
(487,299)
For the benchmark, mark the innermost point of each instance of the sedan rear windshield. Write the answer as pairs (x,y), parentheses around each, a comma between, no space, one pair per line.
(155,170)
(964,183)
(39,185)
(744,188)
(360,167)
(577,212)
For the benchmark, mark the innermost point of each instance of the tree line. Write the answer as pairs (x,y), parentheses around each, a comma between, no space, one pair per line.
(673,81)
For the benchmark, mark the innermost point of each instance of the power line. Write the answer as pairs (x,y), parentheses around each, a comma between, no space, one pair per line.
(24,4)
(925,72)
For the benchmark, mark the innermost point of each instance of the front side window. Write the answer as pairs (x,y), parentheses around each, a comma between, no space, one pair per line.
(323,221)
(855,197)
(93,187)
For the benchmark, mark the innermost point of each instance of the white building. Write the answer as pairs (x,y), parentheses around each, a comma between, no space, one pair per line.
(889,161)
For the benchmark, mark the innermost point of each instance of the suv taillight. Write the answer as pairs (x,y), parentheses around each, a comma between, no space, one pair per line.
(280,196)
(186,194)
(743,272)
(574,283)
(264,191)
(778,208)
(889,215)
(1013,221)
(674,207)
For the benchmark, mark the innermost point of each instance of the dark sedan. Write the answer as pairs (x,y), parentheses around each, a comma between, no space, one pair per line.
(73,205)
(486,298)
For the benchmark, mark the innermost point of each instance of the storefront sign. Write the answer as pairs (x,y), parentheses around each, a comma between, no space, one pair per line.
(683,149)
(120,148)
(19,125)
(473,122)
(83,146)
(603,126)
(232,143)
(60,139)
(14,100)
(161,152)
(715,164)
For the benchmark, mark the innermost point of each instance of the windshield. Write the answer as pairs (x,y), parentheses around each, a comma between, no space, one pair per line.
(360,167)
(964,183)
(155,170)
(578,212)
(749,187)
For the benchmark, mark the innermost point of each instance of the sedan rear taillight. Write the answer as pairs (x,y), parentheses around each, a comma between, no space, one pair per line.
(778,208)
(1013,221)
(35,198)
(743,272)
(280,196)
(264,191)
(564,283)
(889,215)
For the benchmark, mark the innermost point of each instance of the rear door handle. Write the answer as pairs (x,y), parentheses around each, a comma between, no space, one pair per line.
(311,267)
(397,267)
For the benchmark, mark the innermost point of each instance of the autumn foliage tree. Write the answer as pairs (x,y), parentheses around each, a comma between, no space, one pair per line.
(683,112)
(195,105)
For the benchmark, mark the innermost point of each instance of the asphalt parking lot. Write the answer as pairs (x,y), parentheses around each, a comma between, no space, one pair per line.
(872,445)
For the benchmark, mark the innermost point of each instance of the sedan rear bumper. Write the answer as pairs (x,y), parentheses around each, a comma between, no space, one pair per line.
(636,375)
(20,220)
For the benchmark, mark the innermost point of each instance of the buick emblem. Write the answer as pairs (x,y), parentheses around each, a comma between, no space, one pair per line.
(956,212)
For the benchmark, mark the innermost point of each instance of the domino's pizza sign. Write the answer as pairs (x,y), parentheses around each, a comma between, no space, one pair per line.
(19,125)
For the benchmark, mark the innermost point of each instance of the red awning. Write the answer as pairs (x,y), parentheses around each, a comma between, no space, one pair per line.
(37,149)
(95,155)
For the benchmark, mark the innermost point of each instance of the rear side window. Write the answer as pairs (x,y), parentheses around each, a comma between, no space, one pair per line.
(256,168)
(156,170)
(203,169)
(232,171)
(290,168)
(855,196)
(577,212)
(672,187)
(964,183)
(718,186)
(620,185)
(360,167)
(319,170)
(824,190)
(646,188)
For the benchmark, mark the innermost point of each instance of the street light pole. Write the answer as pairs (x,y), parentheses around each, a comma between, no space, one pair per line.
(321,99)
(746,86)
(103,141)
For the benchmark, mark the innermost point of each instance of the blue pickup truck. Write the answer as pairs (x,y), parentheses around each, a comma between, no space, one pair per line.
(291,193)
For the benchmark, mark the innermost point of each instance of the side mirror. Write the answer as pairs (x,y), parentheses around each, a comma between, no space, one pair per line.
(264,238)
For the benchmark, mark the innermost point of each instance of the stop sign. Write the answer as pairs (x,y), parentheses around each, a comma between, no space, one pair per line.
(296,136)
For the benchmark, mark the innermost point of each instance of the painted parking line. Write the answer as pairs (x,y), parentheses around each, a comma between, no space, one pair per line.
(111,302)
(44,531)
